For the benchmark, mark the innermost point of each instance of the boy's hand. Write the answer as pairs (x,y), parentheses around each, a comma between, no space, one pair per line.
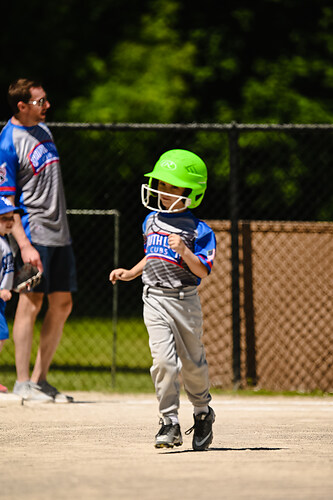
(127,274)
(5,295)
(193,262)
(176,243)
(120,274)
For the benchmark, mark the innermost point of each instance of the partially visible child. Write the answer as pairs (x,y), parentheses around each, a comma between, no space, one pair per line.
(7,211)
(180,250)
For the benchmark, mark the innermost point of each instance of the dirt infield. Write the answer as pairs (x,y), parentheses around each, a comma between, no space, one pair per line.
(101,447)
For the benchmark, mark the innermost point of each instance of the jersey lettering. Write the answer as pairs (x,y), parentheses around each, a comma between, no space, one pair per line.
(43,154)
(157,245)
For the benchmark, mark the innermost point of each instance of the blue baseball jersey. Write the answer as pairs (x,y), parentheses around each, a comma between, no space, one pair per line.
(6,281)
(30,170)
(164,267)
(7,265)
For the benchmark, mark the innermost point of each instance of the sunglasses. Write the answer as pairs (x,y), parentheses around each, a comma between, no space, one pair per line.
(39,102)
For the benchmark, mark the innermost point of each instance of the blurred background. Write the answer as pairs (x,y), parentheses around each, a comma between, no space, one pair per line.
(172,61)
(127,83)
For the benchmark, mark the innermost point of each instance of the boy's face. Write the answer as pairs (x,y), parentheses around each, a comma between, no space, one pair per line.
(6,223)
(175,191)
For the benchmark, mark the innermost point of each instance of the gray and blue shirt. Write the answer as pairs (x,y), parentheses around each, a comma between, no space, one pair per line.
(30,170)
(164,267)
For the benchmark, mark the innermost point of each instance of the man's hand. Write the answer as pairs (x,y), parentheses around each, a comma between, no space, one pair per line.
(30,254)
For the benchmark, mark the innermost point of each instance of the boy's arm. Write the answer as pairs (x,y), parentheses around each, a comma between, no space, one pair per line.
(127,274)
(193,262)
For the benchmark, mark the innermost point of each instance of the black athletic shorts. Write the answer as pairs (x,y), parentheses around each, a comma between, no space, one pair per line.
(59,269)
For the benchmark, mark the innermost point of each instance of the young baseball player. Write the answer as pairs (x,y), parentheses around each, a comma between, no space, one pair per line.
(6,267)
(179,252)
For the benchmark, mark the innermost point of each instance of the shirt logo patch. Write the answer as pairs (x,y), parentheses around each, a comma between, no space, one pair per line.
(44,154)
(3,173)
(211,255)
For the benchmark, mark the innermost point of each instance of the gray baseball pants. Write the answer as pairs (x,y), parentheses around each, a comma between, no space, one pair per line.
(174,323)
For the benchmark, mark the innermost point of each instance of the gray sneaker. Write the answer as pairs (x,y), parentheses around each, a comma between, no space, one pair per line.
(29,391)
(169,434)
(57,396)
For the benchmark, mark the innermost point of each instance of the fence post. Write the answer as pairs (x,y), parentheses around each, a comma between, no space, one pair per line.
(116,215)
(115,300)
(234,215)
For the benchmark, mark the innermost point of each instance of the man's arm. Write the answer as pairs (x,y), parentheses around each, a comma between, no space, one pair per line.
(28,251)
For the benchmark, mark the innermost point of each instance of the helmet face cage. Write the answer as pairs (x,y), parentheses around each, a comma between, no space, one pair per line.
(147,191)
(180,168)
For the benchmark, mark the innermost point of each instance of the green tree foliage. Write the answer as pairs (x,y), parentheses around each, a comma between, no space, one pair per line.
(142,79)
(264,62)
(174,60)
(169,61)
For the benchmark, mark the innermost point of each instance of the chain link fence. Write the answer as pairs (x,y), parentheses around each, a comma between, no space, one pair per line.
(268,302)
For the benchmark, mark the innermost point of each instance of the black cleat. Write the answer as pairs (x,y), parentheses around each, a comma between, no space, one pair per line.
(203,430)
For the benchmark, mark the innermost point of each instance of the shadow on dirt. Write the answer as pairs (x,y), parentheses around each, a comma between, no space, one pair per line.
(227,449)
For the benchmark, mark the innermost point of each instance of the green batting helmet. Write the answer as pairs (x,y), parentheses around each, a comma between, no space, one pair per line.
(184,169)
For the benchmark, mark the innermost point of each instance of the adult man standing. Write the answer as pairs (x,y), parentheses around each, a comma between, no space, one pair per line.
(31,177)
